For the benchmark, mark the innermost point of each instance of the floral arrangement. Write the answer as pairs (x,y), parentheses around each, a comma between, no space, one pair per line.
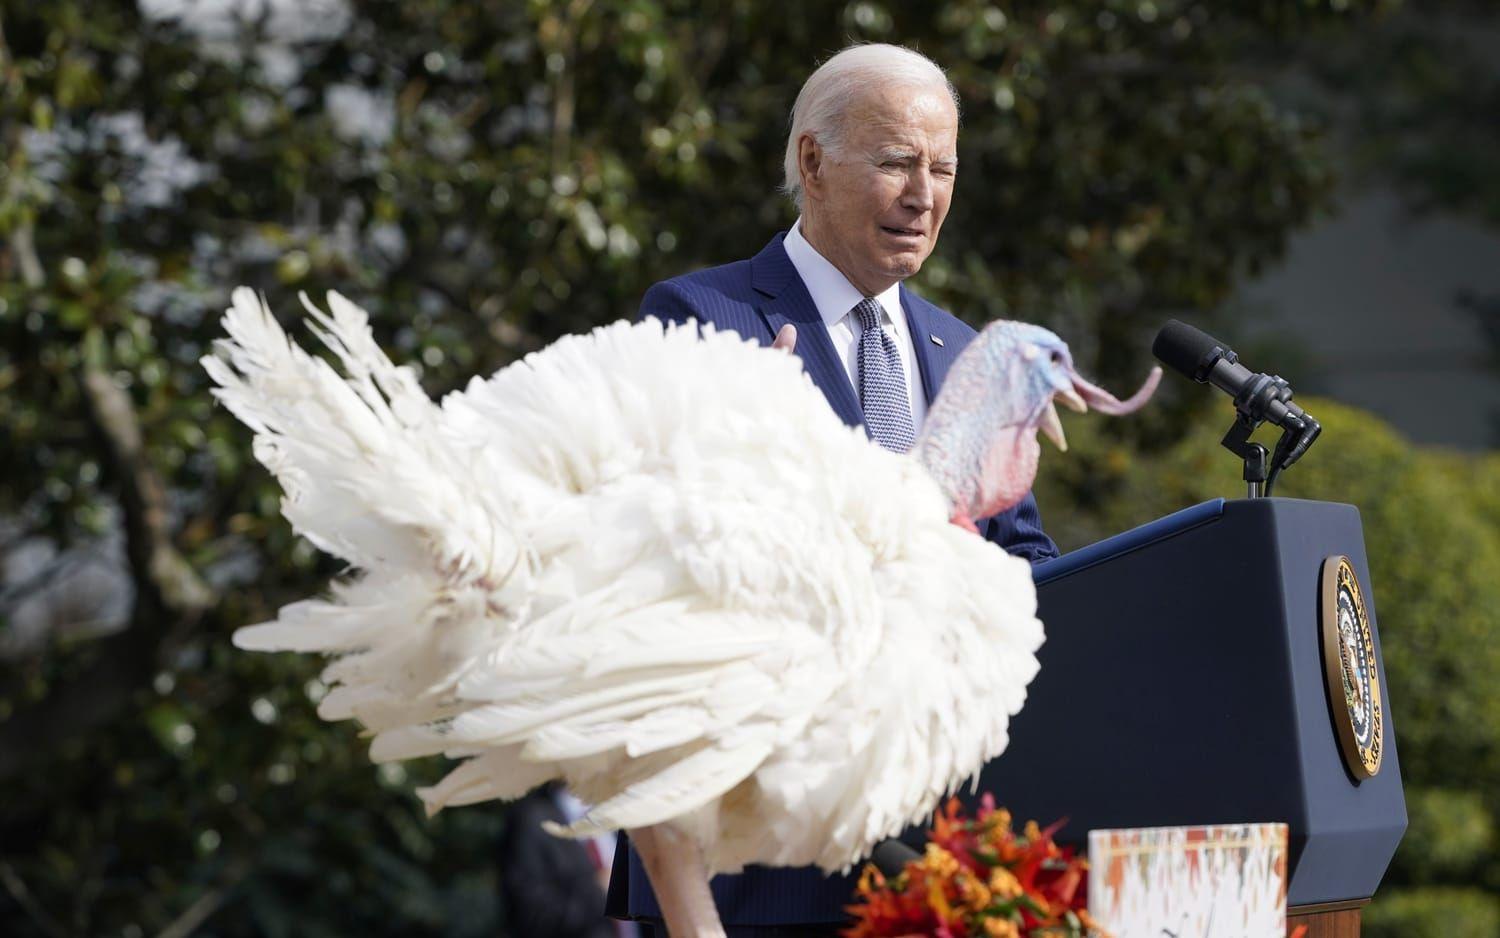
(979,879)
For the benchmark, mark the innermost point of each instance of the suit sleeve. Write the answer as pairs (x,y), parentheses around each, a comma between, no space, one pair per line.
(666,302)
(1019,531)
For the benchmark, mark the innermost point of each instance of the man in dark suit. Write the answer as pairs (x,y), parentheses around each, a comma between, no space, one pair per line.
(549,885)
(871,162)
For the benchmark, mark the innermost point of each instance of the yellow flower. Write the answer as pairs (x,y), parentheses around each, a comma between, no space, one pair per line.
(939,862)
(937,900)
(972,892)
(1004,884)
(997,827)
(997,928)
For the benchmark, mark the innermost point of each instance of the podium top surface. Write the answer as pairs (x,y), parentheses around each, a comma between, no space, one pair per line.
(1127,541)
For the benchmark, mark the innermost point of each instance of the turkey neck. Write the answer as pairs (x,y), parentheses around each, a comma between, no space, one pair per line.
(976,442)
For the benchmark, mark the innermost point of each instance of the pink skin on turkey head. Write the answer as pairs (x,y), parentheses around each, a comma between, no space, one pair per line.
(1005,475)
(979,441)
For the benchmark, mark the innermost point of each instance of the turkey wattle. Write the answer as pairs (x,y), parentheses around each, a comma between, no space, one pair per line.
(655,564)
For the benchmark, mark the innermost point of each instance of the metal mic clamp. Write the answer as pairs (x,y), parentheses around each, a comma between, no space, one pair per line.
(1237,441)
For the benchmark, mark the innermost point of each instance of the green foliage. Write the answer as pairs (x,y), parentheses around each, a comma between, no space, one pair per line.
(1451,834)
(1434,913)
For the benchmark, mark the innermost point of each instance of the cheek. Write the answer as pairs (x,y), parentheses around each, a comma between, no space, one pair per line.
(885,193)
(942,198)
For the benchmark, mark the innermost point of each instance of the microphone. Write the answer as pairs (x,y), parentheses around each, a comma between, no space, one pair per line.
(1257,397)
(891,856)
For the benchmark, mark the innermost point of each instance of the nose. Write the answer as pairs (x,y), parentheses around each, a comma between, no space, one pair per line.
(917,196)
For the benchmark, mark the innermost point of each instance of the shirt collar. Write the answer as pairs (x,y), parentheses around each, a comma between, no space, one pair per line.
(831,291)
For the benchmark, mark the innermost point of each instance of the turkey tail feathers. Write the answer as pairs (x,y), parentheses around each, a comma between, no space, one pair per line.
(498,774)
(369,477)
(684,784)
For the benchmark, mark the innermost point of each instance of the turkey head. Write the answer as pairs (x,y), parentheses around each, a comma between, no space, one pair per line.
(979,441)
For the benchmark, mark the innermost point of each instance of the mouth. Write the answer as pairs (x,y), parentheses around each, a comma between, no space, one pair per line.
(899,232)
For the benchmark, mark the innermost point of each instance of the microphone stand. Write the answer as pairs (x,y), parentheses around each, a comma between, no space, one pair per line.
(1298,433)
(1237,441)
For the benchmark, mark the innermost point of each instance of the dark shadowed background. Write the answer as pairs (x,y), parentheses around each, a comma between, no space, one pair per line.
(1315,180)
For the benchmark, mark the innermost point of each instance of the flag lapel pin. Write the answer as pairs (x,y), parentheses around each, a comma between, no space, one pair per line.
(935,340)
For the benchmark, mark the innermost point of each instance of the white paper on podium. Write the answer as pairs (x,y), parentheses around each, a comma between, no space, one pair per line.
(1225,881)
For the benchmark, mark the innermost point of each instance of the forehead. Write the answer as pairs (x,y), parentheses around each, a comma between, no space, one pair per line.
(903,115)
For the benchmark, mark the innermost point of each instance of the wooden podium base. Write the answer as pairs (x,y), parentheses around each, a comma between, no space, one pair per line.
(1329,920)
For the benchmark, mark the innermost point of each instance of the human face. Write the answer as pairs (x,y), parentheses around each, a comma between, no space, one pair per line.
(874,208)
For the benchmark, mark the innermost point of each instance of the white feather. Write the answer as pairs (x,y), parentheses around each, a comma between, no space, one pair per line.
(652,564)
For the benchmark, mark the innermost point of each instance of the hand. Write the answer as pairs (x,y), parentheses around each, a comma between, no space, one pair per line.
(786,338)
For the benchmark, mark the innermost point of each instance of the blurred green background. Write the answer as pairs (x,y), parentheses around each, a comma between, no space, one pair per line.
(485,175)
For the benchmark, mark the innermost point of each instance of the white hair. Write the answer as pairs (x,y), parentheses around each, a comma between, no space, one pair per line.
(823,103)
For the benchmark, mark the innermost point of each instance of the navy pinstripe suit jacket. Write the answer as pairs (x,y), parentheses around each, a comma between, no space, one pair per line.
(756,298)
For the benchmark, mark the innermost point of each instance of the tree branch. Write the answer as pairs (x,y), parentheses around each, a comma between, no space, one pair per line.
(207,904)
(22,235)
(18,891)
(23,243)
(170,597)
(160,570)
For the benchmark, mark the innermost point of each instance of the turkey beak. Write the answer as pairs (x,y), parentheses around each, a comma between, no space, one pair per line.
(1051,427)
(1072,399)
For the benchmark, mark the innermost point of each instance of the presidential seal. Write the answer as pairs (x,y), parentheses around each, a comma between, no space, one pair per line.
(1350,668)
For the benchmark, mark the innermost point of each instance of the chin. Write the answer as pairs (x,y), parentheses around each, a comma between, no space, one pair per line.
(903,265)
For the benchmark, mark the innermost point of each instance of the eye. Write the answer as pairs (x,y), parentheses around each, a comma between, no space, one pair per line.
(1057,356)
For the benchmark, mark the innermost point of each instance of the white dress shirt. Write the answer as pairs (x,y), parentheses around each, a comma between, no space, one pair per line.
(836,298)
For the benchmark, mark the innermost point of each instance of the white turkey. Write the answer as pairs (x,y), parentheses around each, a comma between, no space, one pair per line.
(651,562)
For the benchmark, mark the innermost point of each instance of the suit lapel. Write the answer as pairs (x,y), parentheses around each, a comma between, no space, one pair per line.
(933,359)
(787,301)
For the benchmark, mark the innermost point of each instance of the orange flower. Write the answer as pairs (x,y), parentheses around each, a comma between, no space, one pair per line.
(937,900)
(1004,884)
(939,862)
(972,893)
(1000,928)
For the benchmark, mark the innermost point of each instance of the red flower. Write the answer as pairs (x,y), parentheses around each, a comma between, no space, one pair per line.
(978,878)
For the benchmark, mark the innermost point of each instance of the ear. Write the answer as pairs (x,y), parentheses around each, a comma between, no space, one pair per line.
(809,164)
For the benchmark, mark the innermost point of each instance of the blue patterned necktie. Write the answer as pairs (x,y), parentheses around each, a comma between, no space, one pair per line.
(882,382)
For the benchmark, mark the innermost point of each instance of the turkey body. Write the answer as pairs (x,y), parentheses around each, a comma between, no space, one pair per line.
(650,563)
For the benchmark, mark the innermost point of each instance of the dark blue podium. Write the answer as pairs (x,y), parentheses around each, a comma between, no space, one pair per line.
(1183,683)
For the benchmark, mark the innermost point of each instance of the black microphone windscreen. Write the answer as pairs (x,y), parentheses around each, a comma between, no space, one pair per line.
(1188,350)
(891,856)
